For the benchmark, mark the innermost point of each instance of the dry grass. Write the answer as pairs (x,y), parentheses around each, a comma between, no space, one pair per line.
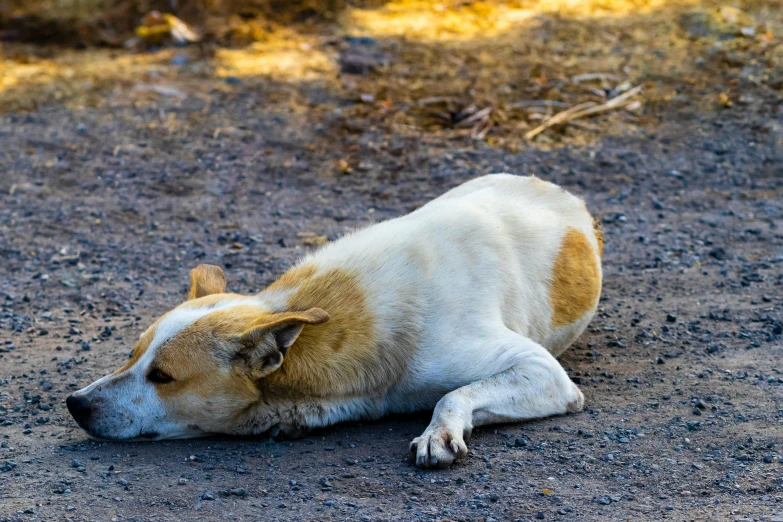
(488,70)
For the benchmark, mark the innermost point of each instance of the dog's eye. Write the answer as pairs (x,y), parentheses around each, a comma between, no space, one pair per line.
(159,377)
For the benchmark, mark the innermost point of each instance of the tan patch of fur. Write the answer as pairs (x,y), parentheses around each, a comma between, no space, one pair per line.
(576,279)
(210,388)
(194,356)
(599,236)
(213,386)
(340,358)
(335,358)
(202,357)
(295,276)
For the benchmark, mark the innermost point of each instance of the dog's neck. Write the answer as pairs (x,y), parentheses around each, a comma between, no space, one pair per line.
(328,361)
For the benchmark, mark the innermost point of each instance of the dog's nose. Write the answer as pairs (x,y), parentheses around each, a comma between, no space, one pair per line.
(80,410)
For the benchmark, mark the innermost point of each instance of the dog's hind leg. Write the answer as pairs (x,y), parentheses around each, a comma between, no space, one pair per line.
(535,386)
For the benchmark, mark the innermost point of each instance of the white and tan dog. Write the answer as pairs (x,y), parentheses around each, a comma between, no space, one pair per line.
(462,305)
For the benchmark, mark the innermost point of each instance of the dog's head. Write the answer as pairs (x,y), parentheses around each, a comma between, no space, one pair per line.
(195,370)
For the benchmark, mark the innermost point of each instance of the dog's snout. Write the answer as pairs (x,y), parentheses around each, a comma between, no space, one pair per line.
(80,410)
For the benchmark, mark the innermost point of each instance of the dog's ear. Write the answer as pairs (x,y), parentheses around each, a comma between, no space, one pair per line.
(264,345)
(206,280)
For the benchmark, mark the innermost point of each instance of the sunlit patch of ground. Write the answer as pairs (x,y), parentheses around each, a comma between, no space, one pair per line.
(294,58)
(492,71)
(438,21)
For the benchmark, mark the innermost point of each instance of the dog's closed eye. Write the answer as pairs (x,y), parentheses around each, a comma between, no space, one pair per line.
(159,377)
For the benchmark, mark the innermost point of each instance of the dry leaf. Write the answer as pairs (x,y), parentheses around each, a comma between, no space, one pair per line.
(315,241)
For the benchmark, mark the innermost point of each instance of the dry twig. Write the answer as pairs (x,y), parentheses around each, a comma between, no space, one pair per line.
(584,109)
(537,103)
(480,115)
(594,76)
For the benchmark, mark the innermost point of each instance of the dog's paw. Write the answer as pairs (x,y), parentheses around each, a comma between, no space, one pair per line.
(437,448)
(577,404)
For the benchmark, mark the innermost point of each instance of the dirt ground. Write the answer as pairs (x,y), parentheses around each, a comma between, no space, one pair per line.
(105,206)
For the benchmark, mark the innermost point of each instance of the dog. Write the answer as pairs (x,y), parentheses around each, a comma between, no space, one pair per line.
(462,306)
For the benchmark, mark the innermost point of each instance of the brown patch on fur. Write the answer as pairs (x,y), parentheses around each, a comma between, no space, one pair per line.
(195,355)
(210,387)
(576,279)
(250,314)
(599,236)
(202,358)
(146,338)
(206,280)
(214,385)
(295,276)
(259,332)
(337,358)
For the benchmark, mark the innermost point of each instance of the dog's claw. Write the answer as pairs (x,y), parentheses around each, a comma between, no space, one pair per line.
(437,448)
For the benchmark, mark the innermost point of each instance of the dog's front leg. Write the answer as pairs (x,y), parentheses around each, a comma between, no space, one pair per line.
(535,386)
